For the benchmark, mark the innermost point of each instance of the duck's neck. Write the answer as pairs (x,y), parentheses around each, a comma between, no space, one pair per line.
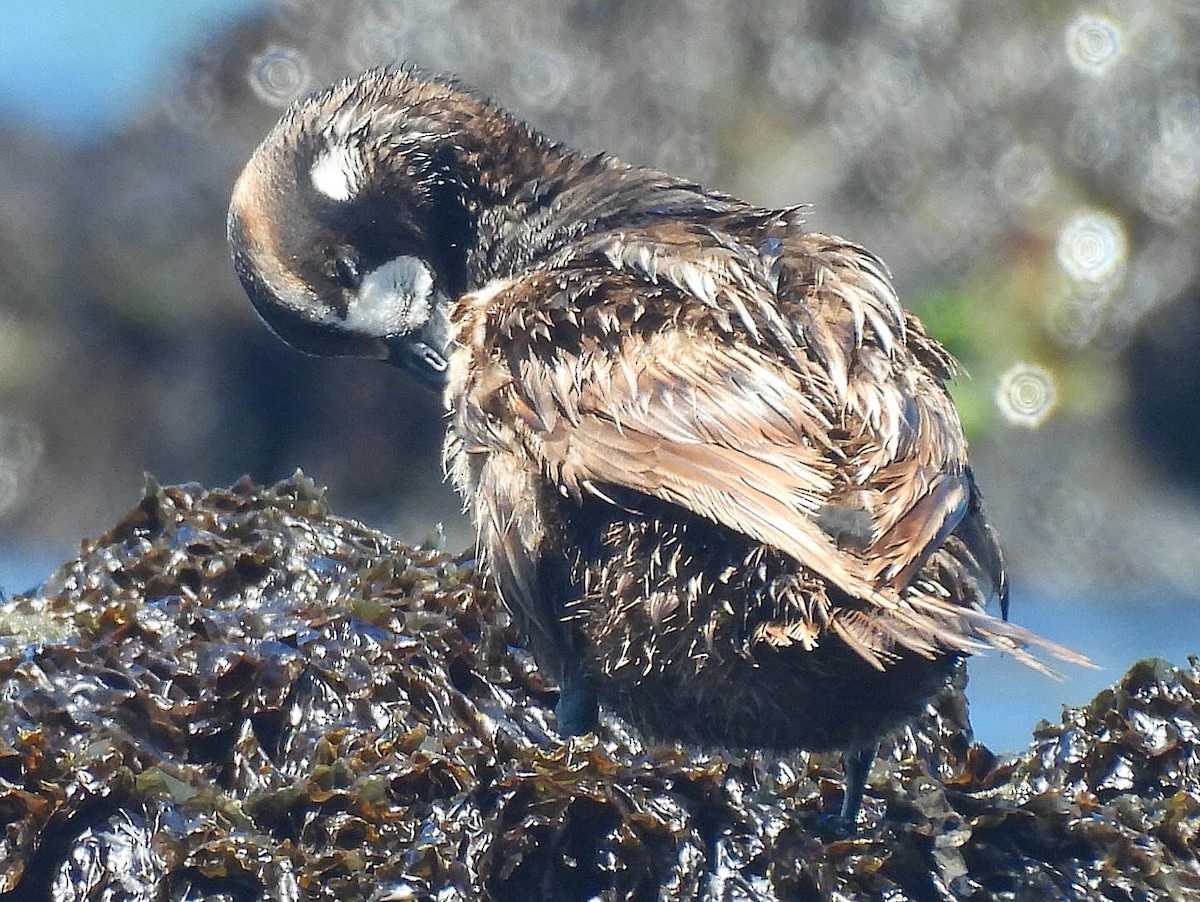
(509,199)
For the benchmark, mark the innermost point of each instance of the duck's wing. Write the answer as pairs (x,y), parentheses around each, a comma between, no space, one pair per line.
(777,390)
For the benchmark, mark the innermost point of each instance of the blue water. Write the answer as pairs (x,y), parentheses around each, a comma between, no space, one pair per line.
(22,571)
(1008,699)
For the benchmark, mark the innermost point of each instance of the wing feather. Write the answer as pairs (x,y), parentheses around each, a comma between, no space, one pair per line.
(757,388)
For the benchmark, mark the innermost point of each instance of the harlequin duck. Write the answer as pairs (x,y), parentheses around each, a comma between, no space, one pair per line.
(712,460)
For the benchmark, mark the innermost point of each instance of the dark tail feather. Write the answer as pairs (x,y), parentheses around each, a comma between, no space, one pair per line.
(983,547)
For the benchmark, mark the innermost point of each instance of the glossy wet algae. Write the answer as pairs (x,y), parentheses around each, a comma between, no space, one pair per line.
(236,694)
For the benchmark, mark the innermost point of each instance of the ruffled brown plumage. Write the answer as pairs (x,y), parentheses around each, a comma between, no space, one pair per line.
(719,461)
(713,462)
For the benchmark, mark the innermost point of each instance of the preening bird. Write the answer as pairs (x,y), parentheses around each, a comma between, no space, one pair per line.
(712,461)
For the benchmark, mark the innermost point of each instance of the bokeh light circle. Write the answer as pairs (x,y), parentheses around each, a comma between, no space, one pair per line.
(1092,247)
(1093,44)
(195,103)
(542,79)
(279,75)
(21,447)
(1026,395)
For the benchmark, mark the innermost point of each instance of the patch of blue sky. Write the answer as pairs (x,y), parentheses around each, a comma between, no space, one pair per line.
(75,67)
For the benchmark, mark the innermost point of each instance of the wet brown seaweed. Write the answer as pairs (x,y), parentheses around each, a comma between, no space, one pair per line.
(235,692)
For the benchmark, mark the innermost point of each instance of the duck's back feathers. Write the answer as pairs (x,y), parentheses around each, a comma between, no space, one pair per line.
(756,376)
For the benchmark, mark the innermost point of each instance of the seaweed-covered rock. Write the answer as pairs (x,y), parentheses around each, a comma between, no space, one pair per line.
(235,694)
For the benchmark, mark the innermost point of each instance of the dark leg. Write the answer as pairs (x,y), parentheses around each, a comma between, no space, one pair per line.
(857,764)
(577,709)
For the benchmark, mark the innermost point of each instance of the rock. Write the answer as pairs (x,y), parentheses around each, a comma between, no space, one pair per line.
(236,694)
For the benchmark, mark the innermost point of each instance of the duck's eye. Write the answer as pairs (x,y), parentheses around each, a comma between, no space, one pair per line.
(345,270)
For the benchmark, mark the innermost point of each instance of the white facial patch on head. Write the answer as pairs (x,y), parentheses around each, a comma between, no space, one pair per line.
(394,299)
(337,173)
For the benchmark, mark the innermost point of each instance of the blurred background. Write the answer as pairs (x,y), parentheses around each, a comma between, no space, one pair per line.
(1030,171)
